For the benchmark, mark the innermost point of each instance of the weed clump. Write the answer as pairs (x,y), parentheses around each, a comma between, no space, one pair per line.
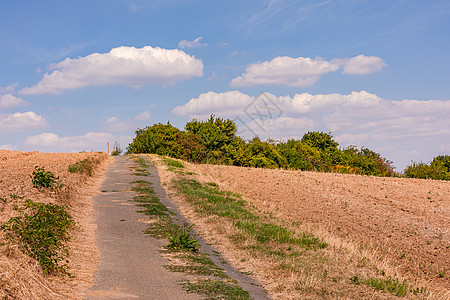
(85,166)
(183,240)
(44,179)
(42,231)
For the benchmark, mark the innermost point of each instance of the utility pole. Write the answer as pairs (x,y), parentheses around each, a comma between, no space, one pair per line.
(108,147)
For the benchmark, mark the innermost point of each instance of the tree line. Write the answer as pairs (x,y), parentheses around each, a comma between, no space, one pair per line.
(214,141)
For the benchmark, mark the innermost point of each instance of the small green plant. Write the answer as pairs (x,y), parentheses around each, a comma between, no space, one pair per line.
(355,279)
(42,231)
(44,179)
(183,240)
(116,150)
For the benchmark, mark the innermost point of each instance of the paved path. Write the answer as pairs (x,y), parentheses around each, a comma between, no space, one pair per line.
(131,266)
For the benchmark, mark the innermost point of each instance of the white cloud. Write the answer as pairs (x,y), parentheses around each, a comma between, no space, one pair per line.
(53,143)
(223,104)
(283,70)
(21,121)
(280,128)
(115,124)
(301,71)
(8,100)
(191,44)
(123,65)
(361,64)
(359,118)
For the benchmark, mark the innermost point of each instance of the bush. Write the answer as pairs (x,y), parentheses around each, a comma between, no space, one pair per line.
(215,141)
(44,179)
(424,171)
(42,230)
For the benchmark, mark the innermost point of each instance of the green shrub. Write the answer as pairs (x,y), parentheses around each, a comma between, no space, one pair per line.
(42,230)
(442,161)
(215,141)
(424,171)
(44,179)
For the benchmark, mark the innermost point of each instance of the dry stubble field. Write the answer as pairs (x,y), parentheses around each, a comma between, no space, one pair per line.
(375,228)
(20,276)
(407,221)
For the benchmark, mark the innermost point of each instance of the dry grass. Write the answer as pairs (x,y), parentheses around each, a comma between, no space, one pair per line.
(320,273)
(21,276)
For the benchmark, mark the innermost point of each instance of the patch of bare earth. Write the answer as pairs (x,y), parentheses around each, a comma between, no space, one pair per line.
(375,228)
(21,276)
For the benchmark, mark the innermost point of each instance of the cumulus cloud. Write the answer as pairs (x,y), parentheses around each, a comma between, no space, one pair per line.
(123,65)
(302,72)
(361,64)
(358,118)
(284,70)
(8,101)
(227,104)
(115,124)
(21,121)
(191,44)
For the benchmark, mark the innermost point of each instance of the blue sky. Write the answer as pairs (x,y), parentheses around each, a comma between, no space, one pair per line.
(78,74)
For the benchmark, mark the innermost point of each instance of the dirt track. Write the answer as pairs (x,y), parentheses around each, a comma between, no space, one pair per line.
(407,220)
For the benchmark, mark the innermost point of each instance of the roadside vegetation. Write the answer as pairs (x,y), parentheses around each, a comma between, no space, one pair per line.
(214,141)
(42,231)
(86,166)
(41,207)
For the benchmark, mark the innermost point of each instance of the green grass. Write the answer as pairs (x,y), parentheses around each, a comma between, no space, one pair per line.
(173,163)
(198,270)
(393,286)
(209,200)
(216,289)
(141,170)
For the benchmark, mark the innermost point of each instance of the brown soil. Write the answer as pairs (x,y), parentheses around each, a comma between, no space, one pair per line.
(375,227)
(21,276)
(407,220)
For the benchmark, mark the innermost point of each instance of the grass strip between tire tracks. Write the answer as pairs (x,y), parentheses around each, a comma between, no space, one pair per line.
(210,280)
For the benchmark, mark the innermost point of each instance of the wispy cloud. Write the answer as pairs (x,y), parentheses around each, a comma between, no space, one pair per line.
(115,124)
(192,44)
